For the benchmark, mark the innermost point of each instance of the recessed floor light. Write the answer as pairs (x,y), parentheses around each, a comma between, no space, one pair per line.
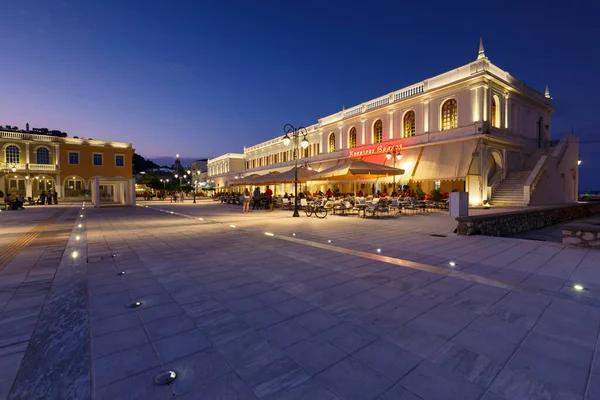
(77,237)
(122,273)
(452,264)
(79,226)
(379,250)
(578,287)
(135,304)
(165,378)
(329,241)
(74,254)
(233,226)
(269,234)
(293,234)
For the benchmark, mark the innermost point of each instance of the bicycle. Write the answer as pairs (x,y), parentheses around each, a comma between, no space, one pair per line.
(316,208)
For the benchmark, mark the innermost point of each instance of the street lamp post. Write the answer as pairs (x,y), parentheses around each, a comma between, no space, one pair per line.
(177,176)
(295,133)
(397,156)
(193,187)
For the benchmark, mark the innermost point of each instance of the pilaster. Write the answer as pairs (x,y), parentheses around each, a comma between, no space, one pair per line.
(27,155)
(425,116)
(362,130)
(391,123)
(507,105)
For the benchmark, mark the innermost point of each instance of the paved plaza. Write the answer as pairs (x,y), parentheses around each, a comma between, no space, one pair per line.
(266,306)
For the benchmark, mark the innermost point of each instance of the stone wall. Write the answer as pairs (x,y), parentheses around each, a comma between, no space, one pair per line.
(509,223)
(584,237)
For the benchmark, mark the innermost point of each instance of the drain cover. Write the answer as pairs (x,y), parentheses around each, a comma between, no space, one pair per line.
(165,378)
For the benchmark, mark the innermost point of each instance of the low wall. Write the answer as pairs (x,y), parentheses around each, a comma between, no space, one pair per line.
(509,223)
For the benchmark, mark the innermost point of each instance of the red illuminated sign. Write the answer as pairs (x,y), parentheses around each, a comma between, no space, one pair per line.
(371,150)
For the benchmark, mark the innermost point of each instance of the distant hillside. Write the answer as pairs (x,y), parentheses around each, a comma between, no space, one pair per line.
(171,160)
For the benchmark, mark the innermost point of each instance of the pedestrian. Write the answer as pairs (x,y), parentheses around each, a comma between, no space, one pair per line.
(246,202)
(55,197)
(269,195)
(182,196)
(256,198)
(49,197)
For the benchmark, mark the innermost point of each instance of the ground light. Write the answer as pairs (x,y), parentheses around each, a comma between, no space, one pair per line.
(165,378)
(329,241)
(81,215)
(135,304)
(77,237)
(293,234)
(79,226)
(452,264)
(201,219)
(233,226)
(379,250)
(74,254)
(578,287)
(269,234)
(122,273)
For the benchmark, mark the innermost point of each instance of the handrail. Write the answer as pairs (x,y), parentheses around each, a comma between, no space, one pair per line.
(534,178)
(560,150)
(496,180)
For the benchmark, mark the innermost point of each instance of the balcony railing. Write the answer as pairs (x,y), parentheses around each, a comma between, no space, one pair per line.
(42,167)
(28,136)
(10,166)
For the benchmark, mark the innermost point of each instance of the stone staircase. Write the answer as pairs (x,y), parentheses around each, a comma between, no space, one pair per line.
(510,191)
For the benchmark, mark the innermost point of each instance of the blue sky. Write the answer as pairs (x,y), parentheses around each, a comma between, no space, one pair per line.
(201,78)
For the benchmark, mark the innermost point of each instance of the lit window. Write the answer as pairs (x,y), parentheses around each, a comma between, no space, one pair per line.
(43,155)
(119,161)
(409,124)
(13,155)
(97,159)
(352,138)
(437,185)
(331,142)
(378,132)
(449,115)
(73,157)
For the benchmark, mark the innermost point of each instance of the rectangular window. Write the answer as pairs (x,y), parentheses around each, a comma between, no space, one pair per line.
(73,157)
(119,161)
(437,185)
(97,159)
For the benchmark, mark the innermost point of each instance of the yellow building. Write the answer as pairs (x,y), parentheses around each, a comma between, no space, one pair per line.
(75,168)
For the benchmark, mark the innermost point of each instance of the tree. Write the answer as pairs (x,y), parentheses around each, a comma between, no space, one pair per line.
(140,164)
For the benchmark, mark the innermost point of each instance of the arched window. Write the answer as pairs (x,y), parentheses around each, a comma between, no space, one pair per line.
(449,115)
(495,112)
(13,155)
(378,132)
(331,142)
(352,138)
(409,124)
(43,155)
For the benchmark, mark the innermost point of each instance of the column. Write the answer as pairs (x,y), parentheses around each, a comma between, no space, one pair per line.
(28,186)
(323,147)
(340,134)
(506,111)
(425,116)
(27,154)
(486,103)
(58,186)
(391,124)
(57,156)
(362,130)
(96,192)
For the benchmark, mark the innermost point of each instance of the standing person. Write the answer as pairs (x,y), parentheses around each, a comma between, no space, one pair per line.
(49,197)
(246,203)
(269,195)
(256,198)
(55,196)
(182,196)
(42,198)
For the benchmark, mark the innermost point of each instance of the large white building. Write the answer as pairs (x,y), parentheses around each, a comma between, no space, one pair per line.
(475,128)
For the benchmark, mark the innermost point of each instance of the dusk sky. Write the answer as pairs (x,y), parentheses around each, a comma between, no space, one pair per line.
(203,78)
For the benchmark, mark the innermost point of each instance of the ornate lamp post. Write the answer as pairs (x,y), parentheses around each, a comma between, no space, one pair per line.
(6,168)
(295,133)
(397,156)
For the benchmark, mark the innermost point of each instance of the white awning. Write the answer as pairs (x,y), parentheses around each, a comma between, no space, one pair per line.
(408,162)
(446,161)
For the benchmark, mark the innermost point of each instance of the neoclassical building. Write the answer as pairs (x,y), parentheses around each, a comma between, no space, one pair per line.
(475,128)
(75,168)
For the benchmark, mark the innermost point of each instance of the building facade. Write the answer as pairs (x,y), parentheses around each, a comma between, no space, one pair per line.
(74,168)
(475,128)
